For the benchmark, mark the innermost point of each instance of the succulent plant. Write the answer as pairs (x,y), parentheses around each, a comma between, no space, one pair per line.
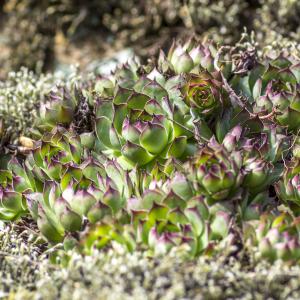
(273,88)
(68,105)
(13,205)
(204,93)
(287,187)
(146,120)
(58,109)
(59,184)
(276,236)
(219,171)
(189,57)
(164,217)
(216,172)
(180,154)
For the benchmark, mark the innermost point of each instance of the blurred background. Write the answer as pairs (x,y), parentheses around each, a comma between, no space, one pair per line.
(49,35)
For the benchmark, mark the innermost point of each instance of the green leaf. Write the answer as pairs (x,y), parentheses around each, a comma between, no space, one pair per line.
(155,91)
(136,154)
(220,225)
(122,95)
(113,199)
(119,117)
(12,200)
(70,220)
(154,138)
(177,147)
(137,101)
(196,221)
(103,125)
(105,109)
(81,202)
(157,213)
(181,187)
(183,64)
(176,216)
(149,197)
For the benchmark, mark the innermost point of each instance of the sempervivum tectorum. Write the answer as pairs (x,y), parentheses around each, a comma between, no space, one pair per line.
(191,56)
(146,122)
(164,217)
(274,90)
(276,237)
(204,93)
(288,187)
(216,173)
(60,186)
(59,108)
(220,170)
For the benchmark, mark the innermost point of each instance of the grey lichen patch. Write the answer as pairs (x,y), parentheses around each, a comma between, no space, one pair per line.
(20,96)
(116,274)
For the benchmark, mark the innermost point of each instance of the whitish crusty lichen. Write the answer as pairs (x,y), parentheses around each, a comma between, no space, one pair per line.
(26,274)
(20,95)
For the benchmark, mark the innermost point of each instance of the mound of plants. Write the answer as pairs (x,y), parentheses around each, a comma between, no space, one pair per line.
(196,152)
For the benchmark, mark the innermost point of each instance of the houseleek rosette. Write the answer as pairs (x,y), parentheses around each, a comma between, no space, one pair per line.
(274,89)
(143,126)
(189,57)
(216,172)
(59,108)
(204,93)
(220,170)
(275,236)
(288,188)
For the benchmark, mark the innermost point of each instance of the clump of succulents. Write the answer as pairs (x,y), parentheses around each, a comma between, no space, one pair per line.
(164,217)
(60,185)
(276,237)
(184,152)
(273,88)
(144,119)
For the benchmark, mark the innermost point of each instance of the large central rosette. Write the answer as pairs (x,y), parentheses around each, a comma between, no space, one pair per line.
(142,125)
